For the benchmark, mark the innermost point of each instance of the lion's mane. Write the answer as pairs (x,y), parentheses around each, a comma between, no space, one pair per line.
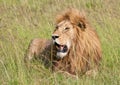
(85,53)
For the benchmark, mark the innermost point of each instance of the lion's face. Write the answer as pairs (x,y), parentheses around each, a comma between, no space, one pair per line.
(62,37)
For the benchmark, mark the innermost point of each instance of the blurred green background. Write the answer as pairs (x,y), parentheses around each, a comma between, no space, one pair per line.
(23,20)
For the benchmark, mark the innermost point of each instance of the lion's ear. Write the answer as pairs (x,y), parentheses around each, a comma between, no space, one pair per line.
(82,25)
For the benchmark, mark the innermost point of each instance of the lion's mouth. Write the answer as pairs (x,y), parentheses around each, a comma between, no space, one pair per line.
(61,48)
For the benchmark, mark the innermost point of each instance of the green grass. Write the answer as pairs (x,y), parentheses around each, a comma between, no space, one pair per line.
(23,20)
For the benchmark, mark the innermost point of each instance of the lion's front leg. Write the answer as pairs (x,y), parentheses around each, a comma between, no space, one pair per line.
(92,72)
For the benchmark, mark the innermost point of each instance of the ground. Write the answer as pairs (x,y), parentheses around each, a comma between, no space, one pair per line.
(23,20)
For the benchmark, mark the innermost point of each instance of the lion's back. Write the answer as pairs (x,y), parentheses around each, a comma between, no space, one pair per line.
(38,46)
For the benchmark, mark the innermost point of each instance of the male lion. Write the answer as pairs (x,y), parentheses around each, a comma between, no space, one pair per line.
(74,48)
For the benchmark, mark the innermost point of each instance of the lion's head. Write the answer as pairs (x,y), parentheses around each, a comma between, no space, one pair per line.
(67,25)
(78,46)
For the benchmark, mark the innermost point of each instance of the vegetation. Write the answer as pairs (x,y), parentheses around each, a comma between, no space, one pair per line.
(23,20)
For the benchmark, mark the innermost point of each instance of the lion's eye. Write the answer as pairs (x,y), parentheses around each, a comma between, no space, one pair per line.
(56,27)
(67,28)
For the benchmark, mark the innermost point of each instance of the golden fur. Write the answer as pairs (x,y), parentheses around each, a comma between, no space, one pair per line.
(85,51)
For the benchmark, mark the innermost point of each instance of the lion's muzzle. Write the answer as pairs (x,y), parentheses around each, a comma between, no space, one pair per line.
(61,48)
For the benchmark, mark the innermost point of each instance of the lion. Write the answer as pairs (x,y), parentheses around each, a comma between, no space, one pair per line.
(74,48)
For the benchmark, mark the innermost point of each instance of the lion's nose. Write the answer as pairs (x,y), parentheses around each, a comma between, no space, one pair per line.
(54,37)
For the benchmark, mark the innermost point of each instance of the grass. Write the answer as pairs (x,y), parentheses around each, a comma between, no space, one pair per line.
(23,20)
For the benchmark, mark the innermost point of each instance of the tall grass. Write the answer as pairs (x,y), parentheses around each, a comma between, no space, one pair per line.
(23,20)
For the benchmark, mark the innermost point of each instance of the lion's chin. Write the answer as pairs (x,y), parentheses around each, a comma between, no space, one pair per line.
(60,55)
(62,50)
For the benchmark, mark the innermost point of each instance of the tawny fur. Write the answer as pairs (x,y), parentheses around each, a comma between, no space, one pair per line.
(85,52)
